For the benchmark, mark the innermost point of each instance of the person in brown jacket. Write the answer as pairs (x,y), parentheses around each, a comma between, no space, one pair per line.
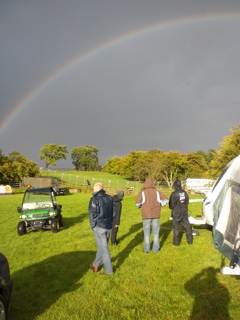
(150,201)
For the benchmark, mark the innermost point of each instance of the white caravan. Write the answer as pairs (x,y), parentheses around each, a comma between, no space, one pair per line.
(217,195)
(221,209)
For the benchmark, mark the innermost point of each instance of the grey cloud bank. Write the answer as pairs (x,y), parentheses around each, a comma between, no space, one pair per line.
(176,88)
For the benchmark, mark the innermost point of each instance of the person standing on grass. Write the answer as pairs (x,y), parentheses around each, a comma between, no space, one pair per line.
(178,203)
(150,201)
(117,198)
(101,211)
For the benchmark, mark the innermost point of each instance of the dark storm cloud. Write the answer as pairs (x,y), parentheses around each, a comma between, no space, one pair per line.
(173,89)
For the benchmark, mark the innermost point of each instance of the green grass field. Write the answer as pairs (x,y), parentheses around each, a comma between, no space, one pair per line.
(52,280)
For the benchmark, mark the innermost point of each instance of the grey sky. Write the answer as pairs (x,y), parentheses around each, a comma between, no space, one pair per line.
(176,88)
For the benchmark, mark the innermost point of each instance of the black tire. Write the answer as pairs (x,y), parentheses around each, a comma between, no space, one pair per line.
(21,228)
(195,233)
(55,226)
(60,220)
(3,308)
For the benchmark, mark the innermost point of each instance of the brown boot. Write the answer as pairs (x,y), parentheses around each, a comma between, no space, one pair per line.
(95,269)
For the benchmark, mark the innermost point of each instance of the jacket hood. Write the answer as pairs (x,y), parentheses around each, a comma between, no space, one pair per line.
(148,184)
(99,193)
(119,196)
(177,185)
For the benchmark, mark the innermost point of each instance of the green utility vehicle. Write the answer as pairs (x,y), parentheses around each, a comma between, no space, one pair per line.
(39,211)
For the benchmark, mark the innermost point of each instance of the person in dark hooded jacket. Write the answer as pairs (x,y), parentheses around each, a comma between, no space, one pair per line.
(117,198)
(178,203)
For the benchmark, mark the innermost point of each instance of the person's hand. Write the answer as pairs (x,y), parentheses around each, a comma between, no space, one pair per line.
(164,202)
(116,226)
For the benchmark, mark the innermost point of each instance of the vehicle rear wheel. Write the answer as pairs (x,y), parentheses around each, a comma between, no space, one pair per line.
(21,230)
(55,226)
(3,308)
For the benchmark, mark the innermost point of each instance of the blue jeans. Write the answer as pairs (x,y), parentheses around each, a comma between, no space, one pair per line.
(102,236)
(155,231)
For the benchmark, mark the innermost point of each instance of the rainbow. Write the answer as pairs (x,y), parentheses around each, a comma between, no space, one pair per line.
(103,47)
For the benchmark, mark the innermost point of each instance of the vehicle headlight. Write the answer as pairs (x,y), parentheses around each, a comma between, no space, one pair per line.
(52,213)
(22,217)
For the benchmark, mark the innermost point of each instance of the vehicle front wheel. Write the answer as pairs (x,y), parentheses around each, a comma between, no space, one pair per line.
(3,308)
(55,226)
(21,230)
(60,220)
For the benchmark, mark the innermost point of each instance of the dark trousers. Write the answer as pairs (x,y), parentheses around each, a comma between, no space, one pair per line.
(187,227)
(114,235)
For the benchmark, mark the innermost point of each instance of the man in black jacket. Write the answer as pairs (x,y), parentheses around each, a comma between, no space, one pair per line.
(178,203)
(117,198)
(101,212)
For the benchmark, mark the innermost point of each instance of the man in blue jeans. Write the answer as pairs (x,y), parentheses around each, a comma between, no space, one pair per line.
(150,201)
(101,212)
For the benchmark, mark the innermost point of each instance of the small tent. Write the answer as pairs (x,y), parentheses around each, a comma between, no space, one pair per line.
(5,189)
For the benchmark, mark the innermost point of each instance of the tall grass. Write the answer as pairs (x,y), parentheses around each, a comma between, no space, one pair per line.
(52,280)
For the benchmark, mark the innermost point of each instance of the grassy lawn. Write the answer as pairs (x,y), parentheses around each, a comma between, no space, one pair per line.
(52,280)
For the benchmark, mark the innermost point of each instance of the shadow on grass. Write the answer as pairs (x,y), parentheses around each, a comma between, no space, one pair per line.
(37,287)
(138,238)
(132,230)
(69,222)
(165,230)
(211,297)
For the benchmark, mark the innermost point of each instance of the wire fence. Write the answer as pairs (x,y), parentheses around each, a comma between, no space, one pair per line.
(76,180)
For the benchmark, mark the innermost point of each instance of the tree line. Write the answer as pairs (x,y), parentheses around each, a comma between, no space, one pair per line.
(137,165)
(169,166)
(15,166)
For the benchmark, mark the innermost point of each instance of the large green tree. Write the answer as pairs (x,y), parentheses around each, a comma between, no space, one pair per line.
(228,150)
(85,158)
(15,166)
(142,166)
(51,153)
(194,165)
(167,167)
(113,165)
(126,166)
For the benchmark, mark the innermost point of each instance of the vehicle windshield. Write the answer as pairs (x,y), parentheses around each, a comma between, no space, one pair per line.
(38,199)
